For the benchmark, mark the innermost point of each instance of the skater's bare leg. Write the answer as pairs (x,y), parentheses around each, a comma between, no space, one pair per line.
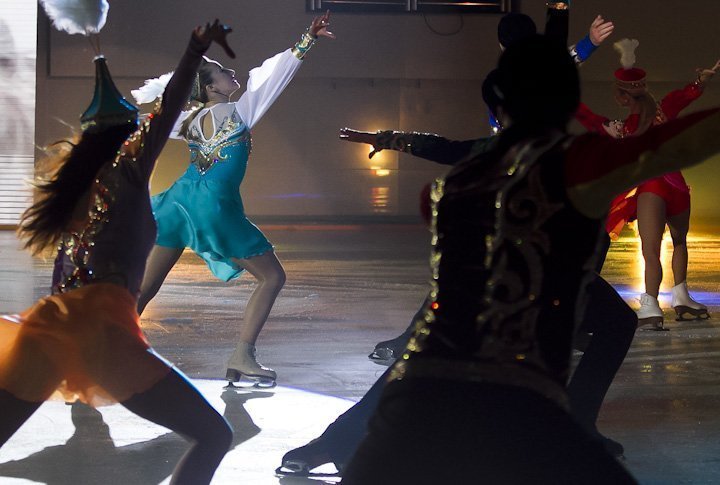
(175,404)
(270,276)
(14,413)
(159,263)
(651,225)
(679,226)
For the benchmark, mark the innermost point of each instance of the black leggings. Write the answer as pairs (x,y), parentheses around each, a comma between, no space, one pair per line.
(173,403)
(612,324)
(431,431)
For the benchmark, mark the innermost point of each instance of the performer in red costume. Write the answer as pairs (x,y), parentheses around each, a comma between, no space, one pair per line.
(657,202)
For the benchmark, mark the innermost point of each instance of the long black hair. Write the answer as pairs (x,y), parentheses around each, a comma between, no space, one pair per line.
(64,176)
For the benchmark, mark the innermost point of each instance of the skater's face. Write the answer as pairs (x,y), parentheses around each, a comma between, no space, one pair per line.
(623,98)
(223,80)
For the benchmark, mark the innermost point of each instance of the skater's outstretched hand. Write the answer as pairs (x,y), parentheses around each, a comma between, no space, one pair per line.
(600,29)
(215,32)
(355,136)
(319,26)
(704,75)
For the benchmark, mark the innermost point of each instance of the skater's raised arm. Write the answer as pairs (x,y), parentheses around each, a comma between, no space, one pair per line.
(557,18)
(597,168)
(556,27)
(268,81)
(675,101)
(600,29)
(423,145)
(150,139)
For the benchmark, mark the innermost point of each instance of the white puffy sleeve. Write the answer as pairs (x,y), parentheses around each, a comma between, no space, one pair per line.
(175,133)
(265,85)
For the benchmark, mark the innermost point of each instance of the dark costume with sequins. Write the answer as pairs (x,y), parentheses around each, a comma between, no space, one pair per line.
(85,340)
(607,317)
(479,391)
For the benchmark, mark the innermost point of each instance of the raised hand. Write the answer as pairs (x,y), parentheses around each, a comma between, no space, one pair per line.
(215,32)
(319,26)
(704,75)
(600,30)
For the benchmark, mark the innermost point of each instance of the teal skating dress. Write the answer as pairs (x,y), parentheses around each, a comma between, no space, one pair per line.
(203,209)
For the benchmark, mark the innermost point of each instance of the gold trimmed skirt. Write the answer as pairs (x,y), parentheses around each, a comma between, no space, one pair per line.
(86,344)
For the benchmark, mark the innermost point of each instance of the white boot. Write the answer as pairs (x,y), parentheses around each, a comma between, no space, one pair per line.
(650,312)
(685,307)
(244,364)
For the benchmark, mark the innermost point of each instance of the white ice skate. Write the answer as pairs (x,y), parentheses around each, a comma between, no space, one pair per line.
(685,307)
(244,366)
(650,312)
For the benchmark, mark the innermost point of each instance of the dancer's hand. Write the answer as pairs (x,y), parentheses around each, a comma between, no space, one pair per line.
(704,75)
(319,26)
(215,32)
(354,136)
(348,134)
(600,30)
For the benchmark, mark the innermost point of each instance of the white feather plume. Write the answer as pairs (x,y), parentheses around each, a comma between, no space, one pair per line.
(77,16)
(152,88)
(626,48)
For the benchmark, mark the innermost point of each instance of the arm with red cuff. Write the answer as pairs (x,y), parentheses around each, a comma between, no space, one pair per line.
(597,167)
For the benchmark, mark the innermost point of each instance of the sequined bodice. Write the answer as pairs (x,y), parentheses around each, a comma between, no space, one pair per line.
(113,242)
(223,157)
(510,258)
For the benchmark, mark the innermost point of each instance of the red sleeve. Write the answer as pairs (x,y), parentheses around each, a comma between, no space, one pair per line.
(597,168)
(591,157)
(591,121)
(676,101)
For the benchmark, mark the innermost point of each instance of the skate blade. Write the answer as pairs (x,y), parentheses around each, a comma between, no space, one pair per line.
(290,469)
(695,313)
(236,378)
(383,356)
(656,322)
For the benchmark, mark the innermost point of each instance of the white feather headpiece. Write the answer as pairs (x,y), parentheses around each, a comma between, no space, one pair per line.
(77,16)
(626,48)
(152,88)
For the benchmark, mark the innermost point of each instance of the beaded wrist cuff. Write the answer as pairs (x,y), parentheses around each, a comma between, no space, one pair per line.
(303,45)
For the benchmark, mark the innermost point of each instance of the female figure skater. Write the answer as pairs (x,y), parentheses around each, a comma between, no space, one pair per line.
(480,388)
(203,209)
(657,202)
(85,340)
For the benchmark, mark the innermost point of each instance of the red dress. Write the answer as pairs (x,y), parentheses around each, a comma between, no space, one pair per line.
(671,187)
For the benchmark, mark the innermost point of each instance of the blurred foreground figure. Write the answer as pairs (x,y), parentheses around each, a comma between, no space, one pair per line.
(480,389)
(85,340)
